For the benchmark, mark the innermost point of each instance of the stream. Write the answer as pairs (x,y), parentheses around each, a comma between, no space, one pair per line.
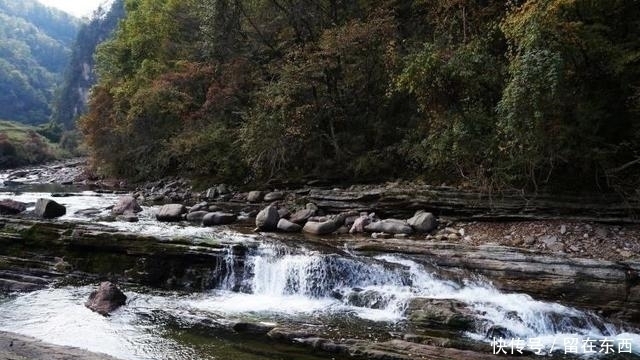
(340,293)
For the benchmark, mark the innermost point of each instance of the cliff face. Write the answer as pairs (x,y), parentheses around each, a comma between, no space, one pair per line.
(79,75)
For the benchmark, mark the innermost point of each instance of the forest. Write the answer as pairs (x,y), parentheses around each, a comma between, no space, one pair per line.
(535,95)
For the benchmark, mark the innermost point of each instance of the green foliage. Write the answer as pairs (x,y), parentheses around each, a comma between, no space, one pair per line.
(23,145)
(531,94)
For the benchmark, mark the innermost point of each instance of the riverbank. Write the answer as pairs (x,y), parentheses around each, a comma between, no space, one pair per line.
(19,347)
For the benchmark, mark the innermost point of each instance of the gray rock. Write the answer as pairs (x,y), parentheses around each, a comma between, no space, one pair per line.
(126,204)
(128,217)
(49,209)
(196,216)
(211,193)
(284,213)
(301,216)
(312,206)
(199,207)
(254,196)
(88,212)
(321,228)
(218,218)
(267,219)
(287,226)
(171,212)
(12,207)
(423,222)
(389,226)
(106,298)
(274,196)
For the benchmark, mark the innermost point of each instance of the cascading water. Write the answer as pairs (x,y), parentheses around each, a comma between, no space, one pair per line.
(281,279)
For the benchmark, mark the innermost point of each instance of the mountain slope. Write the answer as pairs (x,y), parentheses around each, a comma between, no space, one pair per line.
(35,46)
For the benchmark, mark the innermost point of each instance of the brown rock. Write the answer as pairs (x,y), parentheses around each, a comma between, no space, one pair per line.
(106,299)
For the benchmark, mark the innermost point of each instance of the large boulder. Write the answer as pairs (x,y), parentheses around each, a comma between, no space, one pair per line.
(287,226)
(302,216)
(106,298)
(423,222)
(321,228)
(389,226)
(49,209)
(171,212)
(218,218)
(274,196)
(11,207)
(359,224)
(267,219)
(196,216)
(126,204)
(254,196)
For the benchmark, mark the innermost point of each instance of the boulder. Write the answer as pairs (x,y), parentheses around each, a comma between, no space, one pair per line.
(301,216)
(106,298)
(254,196)
(284,213)
(199,207)
(288,226)
(11,207)
(218,218)
(423,222)
(126,204)
(274,196)
(389,226)
(196,216)
(49,209)
(446,314)
(267,219)
(321,228)
(171,212)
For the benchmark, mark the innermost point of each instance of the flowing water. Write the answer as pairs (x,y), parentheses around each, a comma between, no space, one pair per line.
(333,291)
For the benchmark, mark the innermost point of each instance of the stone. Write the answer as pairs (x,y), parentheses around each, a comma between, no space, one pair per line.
(321,228)
(254,196)
(284,213)
(171,212)
(423,222)
(63,266)
(88,212)
(312,206)
(274,196)
(106,298)
(211,193)
(563,229)
(196,216)
(199,207)
(267,219)
(301,216)
(218,218)
(444,314)
(49,209)
(288,226)
(359,224)
(389,226)
(11,207)
(381,235)
(128,217)
(126,204)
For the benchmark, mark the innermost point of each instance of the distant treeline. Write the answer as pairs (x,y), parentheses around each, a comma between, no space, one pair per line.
(537,94)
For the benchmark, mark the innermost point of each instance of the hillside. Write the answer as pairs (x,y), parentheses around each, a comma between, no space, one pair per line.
(23,145)
(34,51)
(529,95)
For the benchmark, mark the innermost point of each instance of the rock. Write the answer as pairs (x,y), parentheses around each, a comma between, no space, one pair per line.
(312,206)
(126,204)
(196,216)
(267,219)
(261,328)
(211,193)
(563,229)
(49,209)
(301,216)
(381,235)
(106,298)
(321,228)
(218,218)
(171,212)
(254,196)
(88,212)
(63,266)
(274,196)
(222,189)
(199,207)
(288,226)
(389,226)
(423,222)
(128,217)
(359,224)
(11,207)
(444,314)
(284,213)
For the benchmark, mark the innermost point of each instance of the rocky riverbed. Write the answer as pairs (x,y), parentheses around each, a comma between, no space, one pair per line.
(383,272)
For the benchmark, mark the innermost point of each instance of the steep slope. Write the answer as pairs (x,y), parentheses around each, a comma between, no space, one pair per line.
(79,75)
(34,51)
